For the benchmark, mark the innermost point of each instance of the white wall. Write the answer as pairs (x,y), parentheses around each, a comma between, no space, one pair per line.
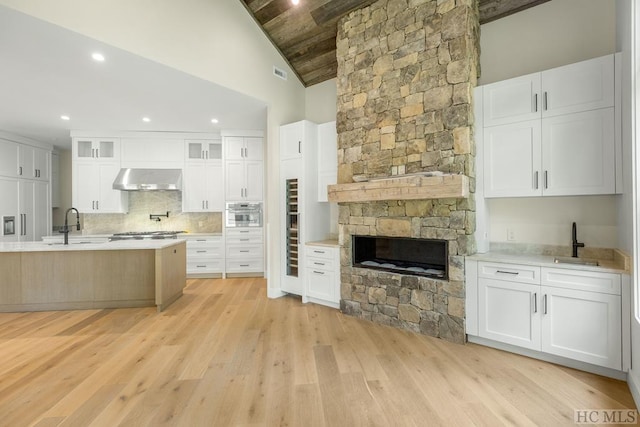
(215,40)
(321,102)
(552,34)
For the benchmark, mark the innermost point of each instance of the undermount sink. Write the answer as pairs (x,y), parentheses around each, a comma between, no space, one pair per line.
(578,261)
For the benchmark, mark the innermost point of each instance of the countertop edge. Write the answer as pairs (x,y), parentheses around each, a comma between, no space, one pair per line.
(619,265)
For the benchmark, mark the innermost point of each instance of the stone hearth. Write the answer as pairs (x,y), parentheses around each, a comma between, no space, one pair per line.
(406,72)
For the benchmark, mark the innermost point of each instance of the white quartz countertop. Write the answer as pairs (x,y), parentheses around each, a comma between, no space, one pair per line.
(616,265)
(328,242)
(105,246)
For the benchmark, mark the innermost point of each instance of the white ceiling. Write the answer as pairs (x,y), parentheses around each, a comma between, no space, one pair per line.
(47,71)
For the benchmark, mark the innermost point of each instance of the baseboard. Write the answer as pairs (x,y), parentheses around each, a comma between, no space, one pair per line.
(634,386)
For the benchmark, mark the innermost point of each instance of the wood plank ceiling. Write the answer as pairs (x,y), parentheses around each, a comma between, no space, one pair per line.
(305,33)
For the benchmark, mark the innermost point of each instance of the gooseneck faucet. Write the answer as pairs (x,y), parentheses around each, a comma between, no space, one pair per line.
(575,244)
(65,228)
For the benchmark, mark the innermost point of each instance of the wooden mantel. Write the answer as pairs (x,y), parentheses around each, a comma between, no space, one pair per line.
(402,188)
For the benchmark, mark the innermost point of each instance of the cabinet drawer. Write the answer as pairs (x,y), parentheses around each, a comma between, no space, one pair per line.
(320,264)
(204,266)
(247,251)
(204,243)
(204,252)
(234,232)
(243,240)
(321,284)
(607,283)
(510,272)
(320,252)
(245,266)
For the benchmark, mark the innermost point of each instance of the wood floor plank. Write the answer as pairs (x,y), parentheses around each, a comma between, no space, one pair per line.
(225,354)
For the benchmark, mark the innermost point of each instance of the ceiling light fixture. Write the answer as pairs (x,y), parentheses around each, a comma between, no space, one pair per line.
(214,121)
(98,57)
(63,117)
(146,119)
(295,2)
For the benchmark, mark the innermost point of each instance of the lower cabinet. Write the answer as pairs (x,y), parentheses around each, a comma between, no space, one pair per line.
(570,313)
(205,256)
(322,275)
(244,250)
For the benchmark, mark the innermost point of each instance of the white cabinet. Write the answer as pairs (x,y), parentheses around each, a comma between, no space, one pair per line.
(202,149)
(55,180)
(93,191)
(8,158)
(551,133)
(327,158)
(563,312)
(152,153)
(583,86)
(28,202)
(244,169)
(205,256)
(322,274)
(41,164)
(96,163)
(244,251)
(202,187)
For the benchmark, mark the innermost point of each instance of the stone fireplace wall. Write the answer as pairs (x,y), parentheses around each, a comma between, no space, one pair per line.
(406,72)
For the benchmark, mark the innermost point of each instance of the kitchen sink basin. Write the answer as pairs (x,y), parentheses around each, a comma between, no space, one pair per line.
(577,261)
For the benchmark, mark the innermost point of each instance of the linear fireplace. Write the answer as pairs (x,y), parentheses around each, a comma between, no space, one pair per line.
(420,257)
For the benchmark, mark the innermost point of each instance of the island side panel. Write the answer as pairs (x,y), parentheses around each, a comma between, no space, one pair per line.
(11,278)
(125,277)
(171,274)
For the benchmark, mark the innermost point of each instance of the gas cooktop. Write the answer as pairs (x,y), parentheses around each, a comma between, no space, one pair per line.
(141,235)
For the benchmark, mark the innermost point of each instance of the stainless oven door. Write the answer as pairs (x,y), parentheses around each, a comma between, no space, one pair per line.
(243,215)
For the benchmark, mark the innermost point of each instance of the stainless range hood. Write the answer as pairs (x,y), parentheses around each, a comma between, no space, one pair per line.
(148,179)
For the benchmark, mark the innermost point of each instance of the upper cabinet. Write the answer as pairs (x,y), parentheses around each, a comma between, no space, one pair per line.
(201,150)
(244,168)
(152,153)
(203,176)
(551,133)
(582,86)
(96,148)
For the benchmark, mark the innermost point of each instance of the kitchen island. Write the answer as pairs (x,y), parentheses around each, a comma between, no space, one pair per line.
(36,276)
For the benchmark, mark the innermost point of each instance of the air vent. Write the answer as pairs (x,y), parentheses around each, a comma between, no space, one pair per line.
(279,73)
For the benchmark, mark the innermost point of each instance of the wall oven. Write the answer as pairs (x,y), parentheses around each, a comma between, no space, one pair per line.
(239,214)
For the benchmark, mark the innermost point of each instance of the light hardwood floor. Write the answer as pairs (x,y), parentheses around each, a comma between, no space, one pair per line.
(224,354)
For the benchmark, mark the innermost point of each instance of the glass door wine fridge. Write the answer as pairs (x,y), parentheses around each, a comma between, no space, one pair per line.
(292,231)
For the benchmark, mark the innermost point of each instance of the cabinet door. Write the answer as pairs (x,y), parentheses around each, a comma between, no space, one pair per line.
(507,312)
(194,150)
(41,163)
(512,100)
(583,326)
(254,179)
(86,187)
(320,284)
(194,193)
(26,166)
(107,148)
(235,179)
(214,190)
(253,149)
(8,158)
(234,148)
(291,141)
(55,180)
(83,148)
(582,86)
(41,211)
(27,210)
(512,156)
(110,200)
(578,155)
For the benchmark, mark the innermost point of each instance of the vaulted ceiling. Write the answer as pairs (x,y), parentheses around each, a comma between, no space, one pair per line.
(305,33)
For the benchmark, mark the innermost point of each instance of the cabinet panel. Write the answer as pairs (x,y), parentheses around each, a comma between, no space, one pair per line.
(512,100)
(234,148)
(578,153)
(291,141)
(9,190)
(320,284)
(253,149)
(506,312)
(510,272)
(110,200)
(8,158)
(26,165)
(214,190)
(582,86)
(583,326)
(512,157)
(85,187)
(254,178)
(606,283)
(41,164)
(234,179)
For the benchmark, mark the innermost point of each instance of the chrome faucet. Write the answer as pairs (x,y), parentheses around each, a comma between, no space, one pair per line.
(65,227)
(575,244)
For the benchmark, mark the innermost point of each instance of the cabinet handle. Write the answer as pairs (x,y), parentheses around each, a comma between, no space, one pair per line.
(318,272)
(244,240)
(20,170)
(299,147)
(545,303)
(546,101)
(535,302)
(97,205)
(244,231)
(206,153)
(201,266)
(202,154)
(546,180)
(207,204)
(514,273)
(244,265)
(97,152)
(318,252)
(201,240)
(319,263)
(201,252)
(244,251)
(535,180)
(93,205)
(535,103)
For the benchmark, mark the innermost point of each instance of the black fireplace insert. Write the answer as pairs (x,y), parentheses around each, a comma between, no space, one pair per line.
(420,257)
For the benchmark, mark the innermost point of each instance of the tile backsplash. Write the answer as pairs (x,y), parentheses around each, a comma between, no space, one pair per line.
(144,203)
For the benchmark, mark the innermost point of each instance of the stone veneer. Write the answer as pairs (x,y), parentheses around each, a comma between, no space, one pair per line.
(406,72)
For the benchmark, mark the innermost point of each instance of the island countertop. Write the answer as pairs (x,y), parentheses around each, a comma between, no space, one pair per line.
(77,246)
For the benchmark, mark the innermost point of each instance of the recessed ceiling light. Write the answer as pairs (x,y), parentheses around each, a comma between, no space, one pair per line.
(295,2)
(97,57)
(146,119)
(214,121)
(63,117)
